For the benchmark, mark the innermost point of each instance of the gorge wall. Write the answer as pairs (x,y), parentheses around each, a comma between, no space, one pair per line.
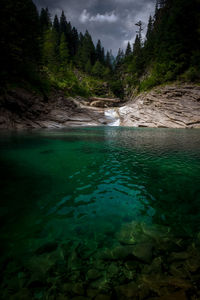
(171,106)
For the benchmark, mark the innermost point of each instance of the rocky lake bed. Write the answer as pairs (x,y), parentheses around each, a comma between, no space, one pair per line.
(143,262)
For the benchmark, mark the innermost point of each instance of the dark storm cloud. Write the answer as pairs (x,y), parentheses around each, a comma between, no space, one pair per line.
(111,21)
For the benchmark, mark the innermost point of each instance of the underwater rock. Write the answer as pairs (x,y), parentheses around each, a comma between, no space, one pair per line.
(126,291)
(156,283)
(78,288)
(157,232)
(93,274)
(192,264)
(46,248)
(180,295)
(143,252)
(79,298)
(67,287)
(74,262)
(92,293)
(102,297)
(174,256)
(129,233)
(128,274)
(154,268)
(23,294)
(121,252)
(61,297)
(116,253)
(101,284)
(130,264)
(112,270)
(178,269)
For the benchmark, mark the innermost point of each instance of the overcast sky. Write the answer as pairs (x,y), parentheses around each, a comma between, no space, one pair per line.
(111,21)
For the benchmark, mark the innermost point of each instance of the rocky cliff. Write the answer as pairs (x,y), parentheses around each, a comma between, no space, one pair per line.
(22,109)
(173,106)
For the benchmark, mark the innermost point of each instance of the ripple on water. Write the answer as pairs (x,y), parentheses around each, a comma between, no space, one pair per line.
(104,208)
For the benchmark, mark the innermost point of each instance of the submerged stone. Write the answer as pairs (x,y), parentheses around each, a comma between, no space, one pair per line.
(91,293)
(179,295)
(46,248)
(143,252)
(102,297)
(154,268)
(129,233)
(127,291)
(101,284)
(93,274)
(179,256)
(112,270)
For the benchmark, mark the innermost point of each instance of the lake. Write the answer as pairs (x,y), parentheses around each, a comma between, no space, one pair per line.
(100,213)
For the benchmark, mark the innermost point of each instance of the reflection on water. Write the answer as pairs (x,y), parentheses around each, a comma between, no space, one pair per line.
(94,212)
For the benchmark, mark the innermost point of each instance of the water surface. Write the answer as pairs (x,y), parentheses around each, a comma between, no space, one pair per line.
(76,188)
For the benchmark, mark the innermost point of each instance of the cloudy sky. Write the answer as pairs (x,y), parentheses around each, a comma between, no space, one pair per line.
(111,21)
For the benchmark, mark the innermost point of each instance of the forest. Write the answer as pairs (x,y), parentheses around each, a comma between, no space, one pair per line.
(45,51)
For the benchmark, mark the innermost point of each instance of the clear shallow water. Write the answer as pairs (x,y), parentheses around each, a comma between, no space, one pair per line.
(78,187)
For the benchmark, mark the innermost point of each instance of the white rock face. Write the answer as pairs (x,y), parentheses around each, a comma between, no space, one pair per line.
(172,106)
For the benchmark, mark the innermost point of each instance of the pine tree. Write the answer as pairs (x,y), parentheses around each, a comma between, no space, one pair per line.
(19,42)
(49,51)
(98,69)
(86,51)
(56,24)
(63,24)
(102,56)
(137,46)
(88,67)
(98,51)
(63,53)
(75,41)
(149,29)
(108,60)
(128,50)
(45,19)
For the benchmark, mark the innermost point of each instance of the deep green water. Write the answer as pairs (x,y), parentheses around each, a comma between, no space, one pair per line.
(79,186)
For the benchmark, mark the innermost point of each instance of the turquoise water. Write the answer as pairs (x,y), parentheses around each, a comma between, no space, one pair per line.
(76,188)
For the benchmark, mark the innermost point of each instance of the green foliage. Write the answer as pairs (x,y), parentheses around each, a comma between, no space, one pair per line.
(63,52)
(19,42)
(88,67)
(149,83)
(128,50)
(117,88)
(98,70)
(171,49)
(192,74)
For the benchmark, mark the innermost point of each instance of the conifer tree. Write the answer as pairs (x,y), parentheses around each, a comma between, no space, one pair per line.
(49,51)
(56,24)
(45,19)
(98,51)
(19,42)
(102,56)
(75,41)
(63,53)
(108,60)
(98,69)
(63,23)
(128,50)
(86,51)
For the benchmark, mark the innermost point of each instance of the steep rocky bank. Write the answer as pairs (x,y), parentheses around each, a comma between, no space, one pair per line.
(22,109)
(173,106)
